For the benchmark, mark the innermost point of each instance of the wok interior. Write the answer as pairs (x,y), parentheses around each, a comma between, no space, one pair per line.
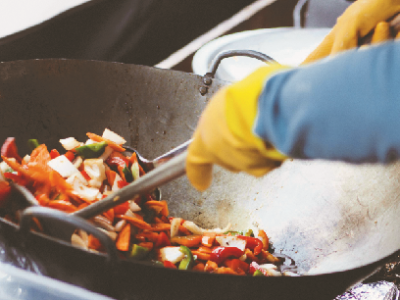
(327,216)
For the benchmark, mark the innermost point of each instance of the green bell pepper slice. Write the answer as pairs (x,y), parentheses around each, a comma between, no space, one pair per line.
(33,144)
(91,150)
(138,252)
(188,262)
(258,273)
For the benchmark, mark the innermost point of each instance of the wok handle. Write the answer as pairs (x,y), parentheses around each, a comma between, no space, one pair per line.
(60,218)
(229,53)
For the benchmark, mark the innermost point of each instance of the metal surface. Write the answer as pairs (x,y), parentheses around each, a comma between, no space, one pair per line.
(337,221)
(65,220)
(149,165)
(231,53)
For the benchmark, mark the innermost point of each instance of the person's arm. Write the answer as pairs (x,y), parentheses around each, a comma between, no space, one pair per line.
(343,108)
(346,108)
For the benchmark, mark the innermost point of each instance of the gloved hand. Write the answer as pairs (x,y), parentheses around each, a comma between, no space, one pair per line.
(356,22)
(224,134)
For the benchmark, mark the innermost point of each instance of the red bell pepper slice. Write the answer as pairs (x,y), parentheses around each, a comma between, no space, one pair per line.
(162,240)
(254,244)
(85,175)
(54,153)
(236,264)
(121,208)
(169,264)
(219,254)
(62,205)
(122,183)
(70,155)
(9,149)
(5,191)
(117,159)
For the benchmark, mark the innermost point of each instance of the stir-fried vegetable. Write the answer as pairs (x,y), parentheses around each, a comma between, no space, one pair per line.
(141,228)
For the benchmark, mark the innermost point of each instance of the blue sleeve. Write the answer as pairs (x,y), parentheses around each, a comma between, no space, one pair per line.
(343,108)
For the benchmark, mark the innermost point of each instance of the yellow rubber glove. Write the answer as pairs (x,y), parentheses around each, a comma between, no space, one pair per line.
(224,134)
(356,22)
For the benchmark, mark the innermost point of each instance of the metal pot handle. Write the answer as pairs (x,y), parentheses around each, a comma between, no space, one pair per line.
(61,217)
(207,79)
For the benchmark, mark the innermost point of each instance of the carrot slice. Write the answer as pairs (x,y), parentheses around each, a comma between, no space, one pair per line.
(201,255)
(236,264)
(135,222)
(124,238)
(43,199)
(62,205)
(111,175)
(210,266)
(147,236)
(264,238)
(40,155)
(148,245)
(157,220)
(93,243)
(199,267)
(109,214)
(158,206)
(110,143)
(184,230)
(224,270)
(205,249)
(188,241)
(34,172)
(161,227)
(165,211)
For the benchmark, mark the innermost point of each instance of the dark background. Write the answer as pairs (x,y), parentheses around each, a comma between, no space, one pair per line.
(134,31)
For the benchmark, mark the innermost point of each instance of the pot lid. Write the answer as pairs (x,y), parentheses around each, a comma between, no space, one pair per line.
(287,45)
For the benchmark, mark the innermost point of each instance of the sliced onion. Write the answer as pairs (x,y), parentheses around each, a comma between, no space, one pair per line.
(107,152)
(70,143)
(231,241)
(219,230)
(112,136)
(172,254)
(134,207)
(96,171)
(193,228)
(175,223)
(76,240)
(63,166)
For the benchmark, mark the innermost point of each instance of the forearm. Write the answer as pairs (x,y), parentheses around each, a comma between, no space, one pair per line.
(345,108)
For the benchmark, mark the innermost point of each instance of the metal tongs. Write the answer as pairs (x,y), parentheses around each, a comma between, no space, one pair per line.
(163,170)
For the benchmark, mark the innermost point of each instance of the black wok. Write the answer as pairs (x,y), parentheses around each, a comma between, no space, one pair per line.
(338,221)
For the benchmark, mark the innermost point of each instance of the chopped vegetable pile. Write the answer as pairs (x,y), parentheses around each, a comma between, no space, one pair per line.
(141,228)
